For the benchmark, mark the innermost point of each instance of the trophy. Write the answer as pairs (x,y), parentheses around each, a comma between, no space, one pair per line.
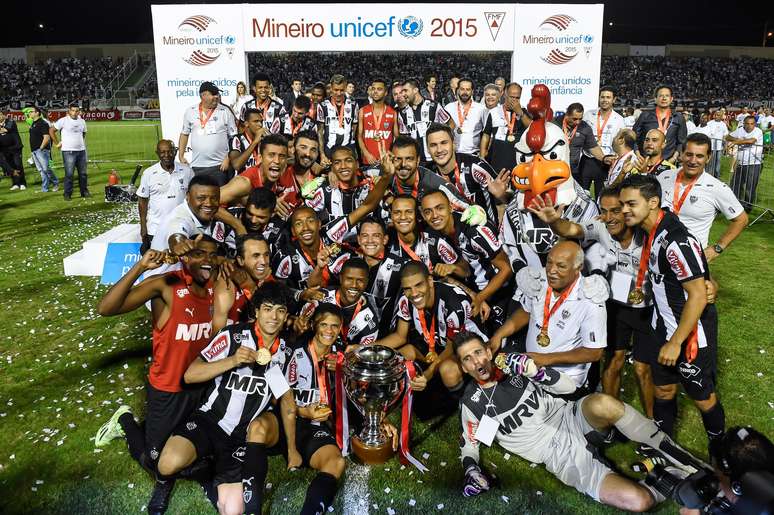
(374,378)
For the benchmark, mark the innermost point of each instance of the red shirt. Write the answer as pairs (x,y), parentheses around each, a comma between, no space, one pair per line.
(285,185)
(372,133)
(183,336)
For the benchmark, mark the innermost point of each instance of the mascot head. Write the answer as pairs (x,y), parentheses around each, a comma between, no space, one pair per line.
(542,152)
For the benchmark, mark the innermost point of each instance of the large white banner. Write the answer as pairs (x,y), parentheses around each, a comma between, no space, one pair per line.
(193,44)
(559,45)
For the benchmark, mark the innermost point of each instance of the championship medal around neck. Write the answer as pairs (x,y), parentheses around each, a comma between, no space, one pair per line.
(264,356)
(636,296)
(543,339)
(511,138)
(431,356)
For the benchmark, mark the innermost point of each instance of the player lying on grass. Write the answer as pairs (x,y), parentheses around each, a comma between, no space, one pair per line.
(517,410)
(181,303)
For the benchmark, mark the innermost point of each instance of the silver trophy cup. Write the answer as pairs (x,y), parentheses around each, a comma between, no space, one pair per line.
(374,378)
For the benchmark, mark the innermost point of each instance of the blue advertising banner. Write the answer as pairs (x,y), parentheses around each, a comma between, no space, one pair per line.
(119,258)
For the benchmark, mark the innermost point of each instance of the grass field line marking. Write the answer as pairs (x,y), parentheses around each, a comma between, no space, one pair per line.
(355,491)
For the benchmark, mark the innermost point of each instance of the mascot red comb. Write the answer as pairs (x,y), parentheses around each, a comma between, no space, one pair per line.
(543,155)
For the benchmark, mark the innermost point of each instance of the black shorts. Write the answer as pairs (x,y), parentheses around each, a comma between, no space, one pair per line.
(164,411)
(309,439)
(209,439)
(698,377)
(629,327)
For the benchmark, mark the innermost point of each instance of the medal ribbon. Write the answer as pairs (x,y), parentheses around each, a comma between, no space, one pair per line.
(321,373)
(261,345)
(463,116)
(677,204)
(342,416)
(378,122)
(645,257)
(340,111)
(413,255)
(405,421)
(414,189)
(510,120)
(429,335)
(325,273)
(295,128)
(665,125)
(344,327)
(203,121)
(255,154)
(548,314)
(263,107)
(564,129)
(602,128)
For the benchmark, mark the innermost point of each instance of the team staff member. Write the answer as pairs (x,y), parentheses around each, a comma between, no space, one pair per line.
(684,322)
(519,410)
(696,197)
(503,129)
(606,124)
(377,124)
(40,146)
(163,187)
(180,309)
(466,173)
(580,137)
(235,422)
(565,314)
(336,120)
(661,118)
(417,115)
(73,145)
(210,126)
(469,118)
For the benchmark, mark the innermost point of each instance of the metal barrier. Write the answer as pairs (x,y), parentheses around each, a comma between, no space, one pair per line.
(749,172)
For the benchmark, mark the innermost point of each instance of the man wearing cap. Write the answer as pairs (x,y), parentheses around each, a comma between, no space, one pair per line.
(209,125)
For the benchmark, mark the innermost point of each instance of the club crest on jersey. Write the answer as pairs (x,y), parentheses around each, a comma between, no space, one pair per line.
(693,199)
(247,384)
(565,314)
(516,381)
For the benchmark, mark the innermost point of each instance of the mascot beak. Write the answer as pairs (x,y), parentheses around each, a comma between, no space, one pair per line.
(540,175)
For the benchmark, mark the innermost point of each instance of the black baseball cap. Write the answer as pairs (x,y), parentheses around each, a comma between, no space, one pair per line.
(209,86)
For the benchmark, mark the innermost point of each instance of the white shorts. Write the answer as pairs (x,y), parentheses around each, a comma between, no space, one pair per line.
(570,460)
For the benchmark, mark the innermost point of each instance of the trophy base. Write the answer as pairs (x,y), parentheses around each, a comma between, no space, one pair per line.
(369,454)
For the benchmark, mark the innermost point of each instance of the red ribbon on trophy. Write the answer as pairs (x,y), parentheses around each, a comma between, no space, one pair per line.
(342,417)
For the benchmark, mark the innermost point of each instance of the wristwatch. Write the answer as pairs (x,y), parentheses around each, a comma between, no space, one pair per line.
(717,248)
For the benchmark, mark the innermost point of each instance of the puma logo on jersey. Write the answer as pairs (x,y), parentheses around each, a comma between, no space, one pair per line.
(246,384)
(193,332)
(190,311)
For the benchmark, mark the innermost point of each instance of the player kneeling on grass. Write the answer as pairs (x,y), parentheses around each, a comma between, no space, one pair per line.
(181,303)
(516,409)
(238,406)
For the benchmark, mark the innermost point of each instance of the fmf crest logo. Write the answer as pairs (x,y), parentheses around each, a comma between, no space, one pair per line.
(199,38)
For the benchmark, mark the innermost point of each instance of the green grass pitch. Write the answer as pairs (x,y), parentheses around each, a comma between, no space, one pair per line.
(64,370)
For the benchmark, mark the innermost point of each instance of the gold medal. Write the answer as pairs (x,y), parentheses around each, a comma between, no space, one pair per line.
(636,296)
(459,130)
(377,136)
(543,340)
(431,356)
(511,138)
(499,362)
(263,357)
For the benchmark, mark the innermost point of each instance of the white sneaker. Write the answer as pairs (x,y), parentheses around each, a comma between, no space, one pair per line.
(22,187)
(30,161)
(14,187)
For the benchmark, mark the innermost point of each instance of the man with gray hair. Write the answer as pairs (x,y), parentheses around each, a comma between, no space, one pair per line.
(564,313)
(491,97)
(337,120)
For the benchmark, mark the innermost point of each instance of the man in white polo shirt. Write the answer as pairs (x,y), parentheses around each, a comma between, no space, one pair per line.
(565,313)
(210,126)
(469,118)
(162,189)
(73,145)
(696,197)
(605,123)
(717,130)
(749,161)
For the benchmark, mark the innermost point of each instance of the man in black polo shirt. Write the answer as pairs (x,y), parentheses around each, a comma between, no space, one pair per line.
(503,128)
(580,136)
(40,146)
(663,119)
(11,152)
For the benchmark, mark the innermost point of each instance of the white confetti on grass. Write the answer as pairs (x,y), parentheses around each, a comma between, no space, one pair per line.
(355,491)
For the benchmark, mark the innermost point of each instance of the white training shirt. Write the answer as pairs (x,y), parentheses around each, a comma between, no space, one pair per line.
(614,124)
(749,154)
(71,132)
(164,191)
(209,144)
(579,322)
(468,142)
(708,197)
(716,132)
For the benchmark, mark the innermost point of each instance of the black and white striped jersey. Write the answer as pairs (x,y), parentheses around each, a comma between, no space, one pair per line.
(414,121)
(360,324)
(527,239)
(239,395)
(676,257)
(274,113)
(338,124)
(474,175)
(289,128)
(299,373)
(333,203)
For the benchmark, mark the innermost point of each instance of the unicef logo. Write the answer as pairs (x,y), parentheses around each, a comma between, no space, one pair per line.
(230,40)
(410,26)
(588,39)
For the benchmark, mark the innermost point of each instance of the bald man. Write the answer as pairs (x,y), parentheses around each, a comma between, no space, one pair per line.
(652,160)
(565,312)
